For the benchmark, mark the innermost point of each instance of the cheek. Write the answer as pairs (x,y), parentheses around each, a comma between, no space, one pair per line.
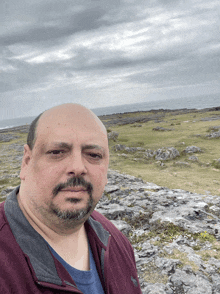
(100,180)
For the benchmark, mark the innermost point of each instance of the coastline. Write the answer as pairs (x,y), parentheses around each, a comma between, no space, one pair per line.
(117,118)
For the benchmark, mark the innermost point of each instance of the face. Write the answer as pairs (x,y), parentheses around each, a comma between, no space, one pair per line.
(65,173)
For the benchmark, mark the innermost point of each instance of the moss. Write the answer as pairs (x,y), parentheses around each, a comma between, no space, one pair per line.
(166,231)
(151,274)
(182,257)
(204,236)
(216,164)
(196,247)
(207,254)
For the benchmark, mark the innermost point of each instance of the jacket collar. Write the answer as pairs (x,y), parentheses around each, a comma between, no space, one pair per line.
(34,245)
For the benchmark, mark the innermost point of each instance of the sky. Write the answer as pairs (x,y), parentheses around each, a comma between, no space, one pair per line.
(102,53)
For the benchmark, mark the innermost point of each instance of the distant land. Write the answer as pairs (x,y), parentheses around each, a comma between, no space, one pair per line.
(197,102)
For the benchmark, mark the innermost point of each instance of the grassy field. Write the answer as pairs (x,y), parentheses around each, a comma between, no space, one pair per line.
(189,129)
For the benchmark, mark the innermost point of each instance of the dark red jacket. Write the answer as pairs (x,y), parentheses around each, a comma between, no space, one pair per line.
(28,267)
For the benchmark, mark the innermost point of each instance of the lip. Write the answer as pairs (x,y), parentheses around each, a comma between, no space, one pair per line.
(74,189)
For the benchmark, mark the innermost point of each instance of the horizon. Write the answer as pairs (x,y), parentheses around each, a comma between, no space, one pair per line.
(124,108)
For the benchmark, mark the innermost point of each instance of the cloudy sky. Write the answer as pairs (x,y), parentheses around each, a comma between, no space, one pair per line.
(103,53)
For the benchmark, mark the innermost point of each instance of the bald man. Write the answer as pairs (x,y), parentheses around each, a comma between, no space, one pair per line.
(51,238)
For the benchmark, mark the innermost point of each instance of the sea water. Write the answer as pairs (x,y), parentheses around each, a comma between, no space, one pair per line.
(198,102)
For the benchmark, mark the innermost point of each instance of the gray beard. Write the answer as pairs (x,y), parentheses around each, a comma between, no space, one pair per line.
(71,216)
(75,214)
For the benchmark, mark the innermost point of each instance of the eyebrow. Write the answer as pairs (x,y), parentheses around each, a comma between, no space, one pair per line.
(93,146)
(61,145)
(70,146)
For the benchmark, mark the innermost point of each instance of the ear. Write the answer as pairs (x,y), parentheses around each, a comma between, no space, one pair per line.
(25,161)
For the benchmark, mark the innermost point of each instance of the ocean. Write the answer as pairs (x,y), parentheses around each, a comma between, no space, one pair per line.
(198,102)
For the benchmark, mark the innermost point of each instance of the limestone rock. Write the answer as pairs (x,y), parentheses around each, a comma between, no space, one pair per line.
(166,153)
(192,149)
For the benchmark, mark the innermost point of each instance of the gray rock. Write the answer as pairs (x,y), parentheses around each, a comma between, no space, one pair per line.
(192,149)
(119,147)
(214,135)
(161,129)
(113,136)
(193,158)
(7,137)
(111,188)
(148,213)
(122,226)
(166,153)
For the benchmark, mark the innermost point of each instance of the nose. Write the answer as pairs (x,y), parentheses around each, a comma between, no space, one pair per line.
(76,165)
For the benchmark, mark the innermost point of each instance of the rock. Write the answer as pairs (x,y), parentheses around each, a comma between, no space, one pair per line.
(122,226)
(192,149)
(119,147)
(136,126)
(113,136)
(111,188)
(7,137)
(173,232)
(193,158)
(7,190)
(149,153)
(214,135)
(214,128)
(166,153)
(161,129)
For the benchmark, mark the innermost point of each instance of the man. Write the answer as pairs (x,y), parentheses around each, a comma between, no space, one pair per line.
(51,239)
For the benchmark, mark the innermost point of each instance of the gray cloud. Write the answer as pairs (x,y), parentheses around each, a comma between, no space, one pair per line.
(55,51)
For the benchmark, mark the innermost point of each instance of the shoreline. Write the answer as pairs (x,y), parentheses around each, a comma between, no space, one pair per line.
(116,118)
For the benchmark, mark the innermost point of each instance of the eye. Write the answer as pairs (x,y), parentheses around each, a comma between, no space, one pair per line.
(95,155)
(56,152)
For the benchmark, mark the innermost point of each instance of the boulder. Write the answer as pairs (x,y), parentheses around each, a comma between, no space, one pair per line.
(113,136)
(192,149)
(166,153)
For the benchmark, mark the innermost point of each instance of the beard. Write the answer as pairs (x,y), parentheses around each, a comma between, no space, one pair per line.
(73,214)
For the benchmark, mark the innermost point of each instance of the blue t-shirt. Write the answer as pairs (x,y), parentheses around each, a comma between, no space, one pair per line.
(86,281)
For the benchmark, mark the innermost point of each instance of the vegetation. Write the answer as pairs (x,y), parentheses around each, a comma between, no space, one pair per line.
(198,176)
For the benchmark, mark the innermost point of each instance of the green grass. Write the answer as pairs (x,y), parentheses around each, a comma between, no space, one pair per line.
(199,177)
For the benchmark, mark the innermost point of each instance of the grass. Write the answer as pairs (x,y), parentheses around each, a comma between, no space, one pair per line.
(183,258)
(201,176)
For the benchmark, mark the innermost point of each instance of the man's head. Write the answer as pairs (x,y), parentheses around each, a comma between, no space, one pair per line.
(64,168)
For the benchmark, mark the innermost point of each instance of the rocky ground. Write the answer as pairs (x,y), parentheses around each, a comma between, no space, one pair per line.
(175,233)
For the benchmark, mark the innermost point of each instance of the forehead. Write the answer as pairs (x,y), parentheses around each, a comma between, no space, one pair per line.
(81,126)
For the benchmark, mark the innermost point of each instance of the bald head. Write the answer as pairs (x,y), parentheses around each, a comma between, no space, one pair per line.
(61,115)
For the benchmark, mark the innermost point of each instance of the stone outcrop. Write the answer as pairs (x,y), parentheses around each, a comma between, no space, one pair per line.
(161,129)
(113,136)
(164,153)
(175,234)
(192,149)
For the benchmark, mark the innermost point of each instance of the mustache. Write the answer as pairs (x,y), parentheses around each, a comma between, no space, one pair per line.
(73,182)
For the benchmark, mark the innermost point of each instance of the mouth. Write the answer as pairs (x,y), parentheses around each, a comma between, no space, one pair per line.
(74,189)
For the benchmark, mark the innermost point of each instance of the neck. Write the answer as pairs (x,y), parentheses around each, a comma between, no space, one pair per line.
(52,229)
